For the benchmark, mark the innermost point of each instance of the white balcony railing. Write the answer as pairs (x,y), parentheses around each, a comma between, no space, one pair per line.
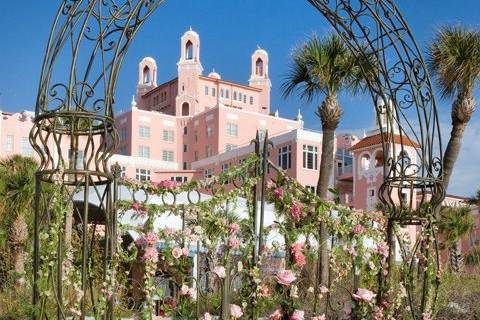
(344,170)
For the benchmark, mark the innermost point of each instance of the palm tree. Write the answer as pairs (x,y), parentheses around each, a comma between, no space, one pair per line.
(454,61)
(454,223)
(17,191)
(475,200)
(324,67)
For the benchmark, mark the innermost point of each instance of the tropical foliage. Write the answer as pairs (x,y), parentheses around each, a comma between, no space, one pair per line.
(454,61)
(455,222)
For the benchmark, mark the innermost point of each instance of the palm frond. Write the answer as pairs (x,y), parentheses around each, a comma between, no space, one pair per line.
(454,59)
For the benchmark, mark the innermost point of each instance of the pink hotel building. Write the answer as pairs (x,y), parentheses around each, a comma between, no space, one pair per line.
(195,126)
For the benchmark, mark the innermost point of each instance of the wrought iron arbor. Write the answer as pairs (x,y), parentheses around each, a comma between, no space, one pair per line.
(74,132)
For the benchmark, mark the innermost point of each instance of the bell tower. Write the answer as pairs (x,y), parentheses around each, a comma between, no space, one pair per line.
(147,76)
(189,70)
(259,79)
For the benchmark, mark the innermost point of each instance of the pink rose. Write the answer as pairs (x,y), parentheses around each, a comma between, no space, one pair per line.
(276,315)
(321,317)
(136,206)
(235,311)
(264,291)
(187,291)
(194,237)
(150,254)
(233,243)
(299,259)
(151,239)
(278,193)
(177,252)
(220,271)
(185,252)
(298,315)
(234,228)
(364,295)
(286,277)
(359,229)
(296,210)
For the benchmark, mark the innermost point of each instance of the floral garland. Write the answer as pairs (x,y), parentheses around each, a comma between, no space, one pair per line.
(299,214)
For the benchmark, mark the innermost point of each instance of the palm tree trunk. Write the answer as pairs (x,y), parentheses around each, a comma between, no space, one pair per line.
(462,110)
(455,257)
(452,151)
(330,114)
(326,168)
(18,238)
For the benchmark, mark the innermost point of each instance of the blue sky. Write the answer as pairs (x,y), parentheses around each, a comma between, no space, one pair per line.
(230,31)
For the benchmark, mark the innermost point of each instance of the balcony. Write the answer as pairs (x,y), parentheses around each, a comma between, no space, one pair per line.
(345,172)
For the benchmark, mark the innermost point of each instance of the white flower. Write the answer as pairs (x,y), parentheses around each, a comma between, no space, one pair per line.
(220,271)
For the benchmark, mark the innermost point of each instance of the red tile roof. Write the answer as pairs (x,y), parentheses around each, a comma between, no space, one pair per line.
(377,140)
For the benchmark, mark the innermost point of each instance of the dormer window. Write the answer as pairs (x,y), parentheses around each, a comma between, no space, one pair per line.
(146,75)
(259,67)
(189,50)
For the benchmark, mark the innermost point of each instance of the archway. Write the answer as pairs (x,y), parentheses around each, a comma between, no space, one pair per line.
(80,104)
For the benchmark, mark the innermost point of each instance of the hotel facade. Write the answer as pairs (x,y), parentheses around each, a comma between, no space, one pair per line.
(195,126)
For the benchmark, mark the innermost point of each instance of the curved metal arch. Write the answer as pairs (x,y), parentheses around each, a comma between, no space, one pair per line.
(78,109)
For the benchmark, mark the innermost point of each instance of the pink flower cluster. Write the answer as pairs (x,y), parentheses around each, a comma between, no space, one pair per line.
(296,210)
(382,249)
(167,184)
(150,239)
(286,277)
(264,291)
(359,229)
(297,315)
(187,291)
(234,227)
(278,193)
(233,243)
(141,211)
(298,257)
(150,254)
(276,315)
(178,252)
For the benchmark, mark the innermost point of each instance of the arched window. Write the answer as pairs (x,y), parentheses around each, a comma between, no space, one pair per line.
(185,109)
(365,162)
(189,50)
(379,159)
(259,67)
(403,159)
(146,75)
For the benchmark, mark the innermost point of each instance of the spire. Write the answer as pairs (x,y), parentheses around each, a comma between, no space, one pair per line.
(133,104)
(299,116)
